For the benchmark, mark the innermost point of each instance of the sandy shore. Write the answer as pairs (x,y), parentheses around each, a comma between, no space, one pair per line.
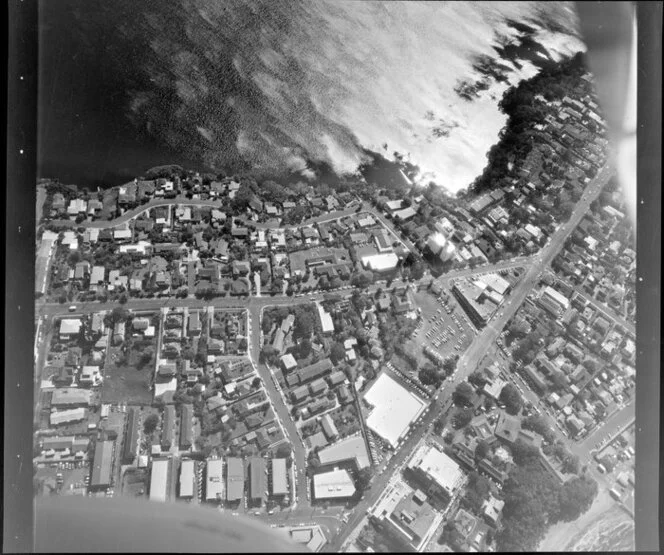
(563,536)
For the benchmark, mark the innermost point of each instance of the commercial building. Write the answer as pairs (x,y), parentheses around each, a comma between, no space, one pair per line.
(187,478)
(214,480)
(336,484)
(70,397)
(234,479)
(159,479)
(102,465)
(60,417)
(415,519)
(553,301)
(351,448)
(70,327)
(381,263)
(257,479)
(279,477)
(479,306)
(326,323)
(435,471)
(130,449)
(394,409)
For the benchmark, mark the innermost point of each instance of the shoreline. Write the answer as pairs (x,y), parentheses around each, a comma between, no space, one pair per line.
(564,535)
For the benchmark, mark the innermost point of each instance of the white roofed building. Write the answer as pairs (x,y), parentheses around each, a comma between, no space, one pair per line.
(384,262)
(394,409)
(336,484)
(435,470)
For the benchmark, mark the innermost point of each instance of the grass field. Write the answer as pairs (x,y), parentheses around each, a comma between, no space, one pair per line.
(125,383)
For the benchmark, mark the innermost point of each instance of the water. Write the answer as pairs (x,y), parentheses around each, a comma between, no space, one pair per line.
(275,85)
(614,531)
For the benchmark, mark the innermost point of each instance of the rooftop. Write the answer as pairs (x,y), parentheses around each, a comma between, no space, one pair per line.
(395,408)
(334,484)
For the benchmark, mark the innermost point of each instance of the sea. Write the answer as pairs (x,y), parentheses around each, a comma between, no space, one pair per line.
(613,531)
(280,86)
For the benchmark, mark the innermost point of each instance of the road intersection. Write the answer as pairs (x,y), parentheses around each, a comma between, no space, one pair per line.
(337,532)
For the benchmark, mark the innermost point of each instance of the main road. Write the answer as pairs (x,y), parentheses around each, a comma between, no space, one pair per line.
(475,352)
(467,363)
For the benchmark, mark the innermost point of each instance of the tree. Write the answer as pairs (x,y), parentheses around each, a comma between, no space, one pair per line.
(512,399)
(266,323)
(123,298)
(439,425)
(524,454)
(364,477)
(428,375)
(477,491)
(304,348)
(256,382)
(539,424)
(145,358)
(463,394)
(576,497)
(337,353)
(283,450)
(463,418)
(482,450)
(477,378)
(150,423)
(304,325)
(119,314)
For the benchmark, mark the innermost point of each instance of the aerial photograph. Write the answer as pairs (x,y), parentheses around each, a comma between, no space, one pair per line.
(359,275)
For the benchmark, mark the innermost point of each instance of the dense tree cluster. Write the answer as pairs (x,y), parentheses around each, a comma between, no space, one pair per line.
(535,500)
(511,397)
(518,103)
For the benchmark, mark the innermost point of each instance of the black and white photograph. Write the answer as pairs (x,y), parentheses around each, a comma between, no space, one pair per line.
(334,276)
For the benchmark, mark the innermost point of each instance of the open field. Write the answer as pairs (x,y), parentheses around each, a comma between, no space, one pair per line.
(126,383)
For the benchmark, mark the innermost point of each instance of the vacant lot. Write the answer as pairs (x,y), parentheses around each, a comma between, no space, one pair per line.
(125,380)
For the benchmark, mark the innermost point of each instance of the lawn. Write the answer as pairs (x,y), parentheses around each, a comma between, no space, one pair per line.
(125,383)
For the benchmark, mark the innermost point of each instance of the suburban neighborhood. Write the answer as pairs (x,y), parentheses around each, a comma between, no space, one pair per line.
(378,368)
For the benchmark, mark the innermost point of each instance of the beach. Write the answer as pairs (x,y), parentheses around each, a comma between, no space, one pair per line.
(605,527)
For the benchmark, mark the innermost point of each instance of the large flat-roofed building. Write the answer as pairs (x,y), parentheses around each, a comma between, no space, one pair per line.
(326,323)
(435,470)
(395,408)
(336,484)
(415,518)
(159,479)
(131,438)
(187,478)
(59,417)
(351,448)
(380,263)
(553,301)
(478,305)
(70,327)
(214,480)
(279,477)
(496,283)
(234,479)
(315,370)
(102,465)
(70,397)
(257,479)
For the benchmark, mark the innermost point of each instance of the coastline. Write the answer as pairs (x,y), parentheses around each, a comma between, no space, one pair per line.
(564,536)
